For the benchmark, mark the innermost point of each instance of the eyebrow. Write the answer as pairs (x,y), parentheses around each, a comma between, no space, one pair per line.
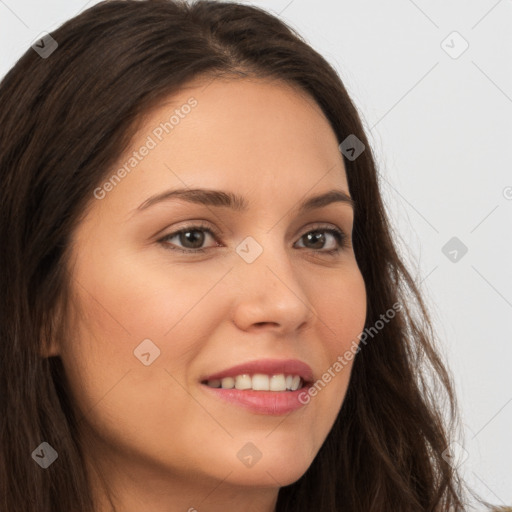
(222,199)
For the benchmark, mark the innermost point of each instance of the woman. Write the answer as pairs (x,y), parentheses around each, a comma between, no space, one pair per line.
(275,361)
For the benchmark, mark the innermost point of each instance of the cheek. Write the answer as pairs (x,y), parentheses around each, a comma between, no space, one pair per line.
(341,311)
(341,307)
(126,402)
(152,297)
(117,316)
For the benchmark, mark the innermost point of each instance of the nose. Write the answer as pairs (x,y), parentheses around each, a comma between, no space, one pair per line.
(271,293)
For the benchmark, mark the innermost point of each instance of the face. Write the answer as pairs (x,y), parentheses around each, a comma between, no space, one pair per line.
(271,281)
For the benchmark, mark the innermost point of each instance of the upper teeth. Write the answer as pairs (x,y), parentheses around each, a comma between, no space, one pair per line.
(259,382)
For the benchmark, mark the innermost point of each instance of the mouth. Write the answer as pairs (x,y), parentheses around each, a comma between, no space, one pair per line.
(264,401)
(264,386)
(262,375)
(259,382)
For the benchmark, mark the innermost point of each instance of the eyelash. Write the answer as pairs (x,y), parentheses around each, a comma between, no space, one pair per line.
(340,236)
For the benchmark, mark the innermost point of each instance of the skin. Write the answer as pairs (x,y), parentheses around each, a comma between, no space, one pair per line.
(159,440)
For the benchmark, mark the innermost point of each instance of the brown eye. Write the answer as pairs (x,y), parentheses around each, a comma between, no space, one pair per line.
(190,238)
(317,239)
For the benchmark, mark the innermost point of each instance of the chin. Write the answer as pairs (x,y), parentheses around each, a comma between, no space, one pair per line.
(271,470)
(268,476)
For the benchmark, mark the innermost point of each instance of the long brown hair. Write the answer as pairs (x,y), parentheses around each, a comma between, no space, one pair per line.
(65,120)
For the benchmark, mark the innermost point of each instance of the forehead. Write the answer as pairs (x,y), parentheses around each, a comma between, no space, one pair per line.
(256,136)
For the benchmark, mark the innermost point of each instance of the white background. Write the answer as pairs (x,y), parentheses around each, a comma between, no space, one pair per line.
(441,129)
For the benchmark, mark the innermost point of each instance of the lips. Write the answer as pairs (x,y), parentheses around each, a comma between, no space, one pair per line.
(268,367)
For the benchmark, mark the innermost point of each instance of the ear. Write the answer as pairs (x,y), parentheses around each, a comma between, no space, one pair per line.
(49,349)
(49,346)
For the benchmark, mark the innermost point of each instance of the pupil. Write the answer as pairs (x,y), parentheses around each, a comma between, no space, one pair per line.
(197,241)
(317,237)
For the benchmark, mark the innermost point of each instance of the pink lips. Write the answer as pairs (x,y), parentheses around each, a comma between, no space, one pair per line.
(264,402)
(267,367)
